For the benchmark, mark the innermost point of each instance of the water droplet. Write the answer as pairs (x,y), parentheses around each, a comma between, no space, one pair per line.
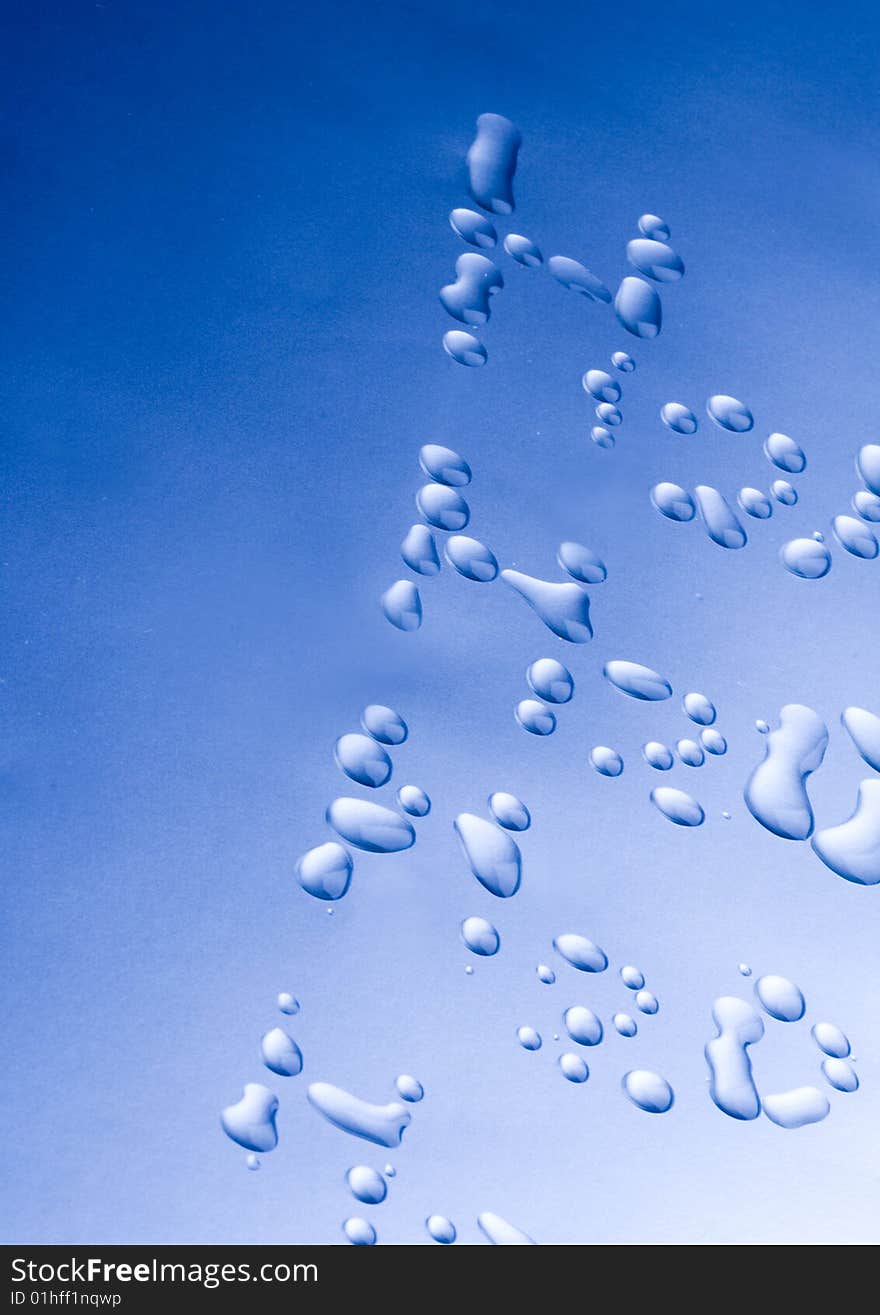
(369,826)
(509,812)
(785,453)
(500,1232)
(607,762)
(654,227)
(657,755)
(491,163)
(473,228)
(480,937)
(796,1108)
(564,608)
(528,1038)
(402,605)
(867,505)
(840,1074)
(732,1086)
(287,1003)
(623,361)
(535,717)
(471,558)
(253,1162)
(655,259)
(713,741)
(577,278)
(776,792)
(366,1185)
(638,308)
(280,1053)
(444,465)
(363,760)
(409,1088)
(729,413)
(550,680)
(725,815)
(699,708)
(464,348)
(419,551)
(648,1091)
(745,970)
(359,1232)
(761,727)
(647,1002)
(523,250)
(251,1121)
(390,1171)
(601,386)
(808,559)
(625,1025)
(677,805)
(781,998)
(755,503)
(583,1026)
(608,414)
(413,800)
(636,681)
(672,501)
(679,418)
(441,1229)
(468,299)
(632,977)
(493,857)
(325,871)
(469,970)
(868,467)
(573,1067)
(382,1124)
(602,437)
(864,731)
(783,492)
(855,537)
(852,849)
(829,1038)
(690,753)
(719,518)
(545,974)
(581,953)
(384,724)
(442,507)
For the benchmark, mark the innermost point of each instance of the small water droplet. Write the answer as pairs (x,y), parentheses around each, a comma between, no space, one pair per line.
(867,505)
(545,974)
(831,1040)
(649,1091)
(473,228)
(699,708)
(657,755)
(606,761)
(583,1026)
(672,501)
(785,453)
(679,418)
(581,953)
(500,1232)
(713,741)
(719,518)
(647,1002)
(608,414)
(444,465)
(729,413)
(523,250)
(602,437)
(745,970)
(413,800)
(363,760)
(840,1074)
(868,467)
(409,1088)
(464,348)
(384,724)
(471,558)
(808,559)
(366,1185)
(550,680)
(359,1232)
(253,1162)
(287,1003)
(636,681)
(855,536)
(780,997)
(325,871)
(573,1067)
(441,1229)
(601,386)
(509,812)
(655,259)
(528,1038)
(480,936)
(623,361)
(632,977)
(402,605)
(783,492)
(653,226)
(755,503)
(535,717)
(419,551)
(280,1053)
(863,728)
(625,1025)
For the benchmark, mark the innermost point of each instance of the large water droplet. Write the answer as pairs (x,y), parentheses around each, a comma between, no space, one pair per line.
(581,953)
(679,418)
(363,760)
(719,518)
(493,856)
(359,1232)
(653,226)
(797,1107)
(606,761)
(840,1074)
(623,361)
(855,537)
(528,1038)
(625,1025)
(655,259)
(534,717)
(413,800)
(468,298)
(280,1053)
(808,559)
(325,871)
(564,608)
(657,755)
(785,453)
(699,708)
(369,826)
(523,250)
(419,551)
(501,1233)
(471,558)
(636,681)
(509,812)
(864,731)
(638,308)
(441,1229)
(550,680)
(632,977)
(402,605)
(382,1124)
(583,1026)
(828,1037)
(464,348)
(575,276)
(366,1185)
(852,849)
(755,503)
(480,937)
(868,467)
(491,163)
(867,505)
(649,1091)
(672,501)
(573,1067)
(732,1086)
(601,386)
(444,465)
(776,792)
(473,228)
(442,507)
(729,413)
(384,724)
(781,998)
(251,1121)
(783,492)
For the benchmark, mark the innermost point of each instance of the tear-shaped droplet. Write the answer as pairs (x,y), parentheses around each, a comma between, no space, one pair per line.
(363,759)
(550,680)
(852,849)
(493,856)
(280,1053)
(679,418)
(564,608)
(648,1090)
(524,250)
(636,681)
(464,348)
(672,501)
(638,307)
(473,228)
(581,953)
(776,793)
(402,605)
(480,936)
(545,974)
(509,812)
(719,518)
(382,1124)
(729,413)
(325,871)
(471,558)
(491,163)
(369,826)
(287,1003)
(653,226)
(419,551)
(785,453)
(444,465)
(655,259)
(251,1121)
(575,276)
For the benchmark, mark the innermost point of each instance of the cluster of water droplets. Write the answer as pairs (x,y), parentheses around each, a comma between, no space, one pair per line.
(250,1121)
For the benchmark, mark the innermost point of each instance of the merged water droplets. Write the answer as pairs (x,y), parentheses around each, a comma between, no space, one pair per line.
(402,605)
(732,1086)
(575,276)
(648,1091)
(473,228)
(679,418)
(493,856)
(855,536)
(776,792)
(464,348)
(325,871)
(730,414)
(720,521)
(672,501)
(785,453)
(564,608)
(382,1124)
(251,1121)
(852,849)
(655,259)
(477,278)
(550,680)
(638,308)
(523,250)
(491,163)
(808,559)
(480,936)
(636,681)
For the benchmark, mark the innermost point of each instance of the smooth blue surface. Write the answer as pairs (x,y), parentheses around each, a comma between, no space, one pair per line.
(226,232)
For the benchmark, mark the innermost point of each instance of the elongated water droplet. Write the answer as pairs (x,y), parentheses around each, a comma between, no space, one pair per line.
(441,1229)
(776,792)
(780,997)
(442,507)
(828,1037)
(852,849)
(464,348)
(632,977)
(419,551)
(545,974)
(672,501)
(638,307)
(575,276)
(713,741)
(755,503)
(601,386)
(550,680)
(413,800)
(468,299)
(606,761)
(491,163)
(493,856)
(501,1233)
(719,519)
(647,1002)
(535,717)
(654,227)
(402,605)
(783,492)
(480,937)
(384,724)
(564,608)
(251,1121)
(649,1091)
(363,760)
(729,413)
(808,559)
(382,1124)
(623,361)
(679,418)
(864,731)
(366,1184)
(732,1086)
(677,805)
(523,250)
(473,228)
(625,1025)
(636,681)
(369,826)
(840,1074)
(855,537)
(583,1026)
(509,812)
(655,259)
(325,871)
(573,1067)
(868,467)
(657,755)
(444,465)
(867,505)
(528,1038)
(471,558)
(581,953)
(359,1232)
(785,453)
(797,1107)
(280,1053)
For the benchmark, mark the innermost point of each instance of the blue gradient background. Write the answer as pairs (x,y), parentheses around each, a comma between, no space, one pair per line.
(226,232)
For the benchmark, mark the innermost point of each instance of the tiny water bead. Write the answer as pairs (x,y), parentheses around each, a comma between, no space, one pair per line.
(655,259)
(638,308)
(480,936)
(762,727)
(523,250)
(573,1067)
(745,970)
(383,1125)
(776,792)
(632,977)
(443,507)
(366,1185)
(602,437)
(677,805)
(325,871)
(783,492)
(545,974)
(535,717)
(471,558)
(441,1229)
(625,1025)
(509,812)
(647,1002)
(390,1171)
(855,536)
(780,998)
(287,1003)
(253,1162)
(583,1026)
(868,467)
(528,1038)
(384,724)
(785,453)
(653,226)
(577,278)
(473,228)
(251,1121)
(637,681)
(581,953)
(713,741)
(690,753)
(699,708)
(606,761)
(623,361)
(359,1232)
(444,465)
(280,1053)
(564,608)
(648,1091)
(797,1107)
(550,680)
(402,605)
(729,413)
(601,386)
(413,800)
(657,755)
(409,1088)
(419,551)
(679,418)
(468,299)
(840,1074)
(491,163)
(464,348)
(863,728)
(673,502)
(362,759)
(720,521)
(493,857)
(867,505)
(808,559)
(608,414)
(755,503)
(371,827)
